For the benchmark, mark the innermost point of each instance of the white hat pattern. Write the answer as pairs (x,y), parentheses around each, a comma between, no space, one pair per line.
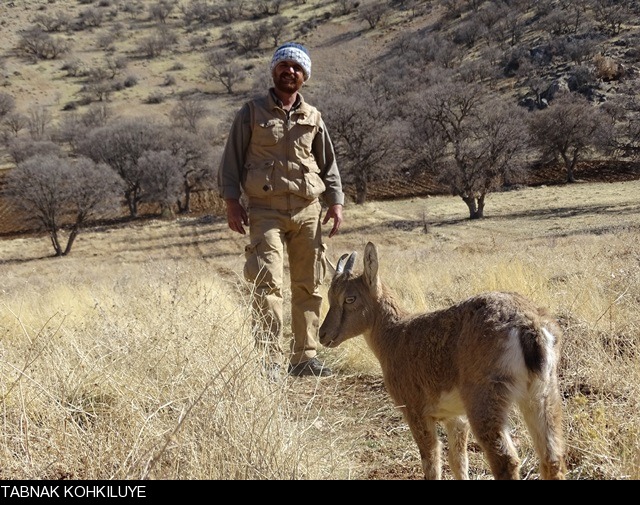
(293,52)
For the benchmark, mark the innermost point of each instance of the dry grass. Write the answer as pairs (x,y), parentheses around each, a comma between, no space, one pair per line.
(131,358)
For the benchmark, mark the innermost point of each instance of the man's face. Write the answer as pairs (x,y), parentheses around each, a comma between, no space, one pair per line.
(288,76)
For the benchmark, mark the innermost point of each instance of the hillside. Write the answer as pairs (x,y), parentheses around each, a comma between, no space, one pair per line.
(51,92)
(99,33)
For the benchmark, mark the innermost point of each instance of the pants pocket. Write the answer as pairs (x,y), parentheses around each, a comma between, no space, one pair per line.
(321,265)
(252,262)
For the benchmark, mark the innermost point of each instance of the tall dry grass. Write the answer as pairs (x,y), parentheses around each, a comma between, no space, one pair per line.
(132,358)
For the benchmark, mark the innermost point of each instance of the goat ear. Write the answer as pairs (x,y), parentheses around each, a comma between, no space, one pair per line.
(371,267)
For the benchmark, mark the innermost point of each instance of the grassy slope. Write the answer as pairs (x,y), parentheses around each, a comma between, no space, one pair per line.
(142,324)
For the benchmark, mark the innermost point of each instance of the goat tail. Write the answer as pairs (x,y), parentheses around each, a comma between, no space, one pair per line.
(539,343)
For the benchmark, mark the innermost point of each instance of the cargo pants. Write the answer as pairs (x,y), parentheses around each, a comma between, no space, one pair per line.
(297,233)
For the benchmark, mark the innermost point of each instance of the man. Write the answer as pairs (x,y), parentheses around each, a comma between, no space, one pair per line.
(279,154)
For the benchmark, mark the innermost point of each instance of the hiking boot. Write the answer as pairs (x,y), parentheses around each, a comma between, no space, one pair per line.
(310,367)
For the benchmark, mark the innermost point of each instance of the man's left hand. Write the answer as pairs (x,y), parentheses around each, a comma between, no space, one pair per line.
(334,212)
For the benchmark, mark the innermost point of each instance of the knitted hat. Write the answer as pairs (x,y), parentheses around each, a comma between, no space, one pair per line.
(293,52)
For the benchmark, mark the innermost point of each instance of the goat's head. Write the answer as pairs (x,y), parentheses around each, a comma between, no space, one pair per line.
(351,299)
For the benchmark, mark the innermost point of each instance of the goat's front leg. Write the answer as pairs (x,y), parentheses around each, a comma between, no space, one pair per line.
(426,437)
(458,436)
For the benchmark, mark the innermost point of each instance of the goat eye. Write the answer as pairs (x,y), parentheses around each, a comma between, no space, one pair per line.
(350,299)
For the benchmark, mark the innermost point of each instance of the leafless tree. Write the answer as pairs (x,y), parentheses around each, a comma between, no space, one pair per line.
(73,67)
(373,13)
(91,18)
(470,141)
(417,52)
(120,145)
(268,7)
(251,37)
(160,180)
(97,114)
(36,43)
(197,12)
(362,134)
(14,122)
(231,11)
(469,32)
(158,42)
(558,22)
(134,8)
(611,14)
(161,10)
(569,129)
(70,131)
(509,28)
(188,113)
(99,83)
(345,7)
(21,149)
(534,76)
(453,8)
(106,41)
(277,29)
(74,127)
(58,194)
(39,120)
(625,112)
(221,68)
(195,157)
(115,65)
(579,50)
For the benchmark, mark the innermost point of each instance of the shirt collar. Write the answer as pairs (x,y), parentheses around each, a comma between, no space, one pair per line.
(296,104)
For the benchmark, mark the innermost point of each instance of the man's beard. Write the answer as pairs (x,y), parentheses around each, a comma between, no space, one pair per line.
(287,85)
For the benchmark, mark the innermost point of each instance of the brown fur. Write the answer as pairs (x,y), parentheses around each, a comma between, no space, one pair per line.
(465,366)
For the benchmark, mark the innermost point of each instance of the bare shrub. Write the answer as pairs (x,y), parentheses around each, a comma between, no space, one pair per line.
(120,145)
(188,112)
(36,43)
(7,104)
(220,67)
(20,149)
(56,193)
(569,129)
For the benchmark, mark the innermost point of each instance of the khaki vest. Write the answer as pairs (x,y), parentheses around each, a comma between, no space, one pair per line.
(280,169)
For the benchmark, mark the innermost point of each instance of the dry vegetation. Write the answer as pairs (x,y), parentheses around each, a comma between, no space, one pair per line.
(132,358)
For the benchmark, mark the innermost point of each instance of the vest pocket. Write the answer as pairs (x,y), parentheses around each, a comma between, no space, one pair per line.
(268,133)
(259,179)
(313,184)
(303,134)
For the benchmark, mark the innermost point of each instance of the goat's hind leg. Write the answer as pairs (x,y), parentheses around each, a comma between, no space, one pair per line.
(488,407)
(542,412)
(458,437)
(426,437)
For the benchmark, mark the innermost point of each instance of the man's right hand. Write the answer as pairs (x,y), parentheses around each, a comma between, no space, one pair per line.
(236,216)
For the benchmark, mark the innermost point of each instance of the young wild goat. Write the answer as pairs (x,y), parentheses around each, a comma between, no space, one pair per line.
(466,365)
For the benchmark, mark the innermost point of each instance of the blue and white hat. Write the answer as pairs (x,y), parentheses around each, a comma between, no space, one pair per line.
(293,52)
